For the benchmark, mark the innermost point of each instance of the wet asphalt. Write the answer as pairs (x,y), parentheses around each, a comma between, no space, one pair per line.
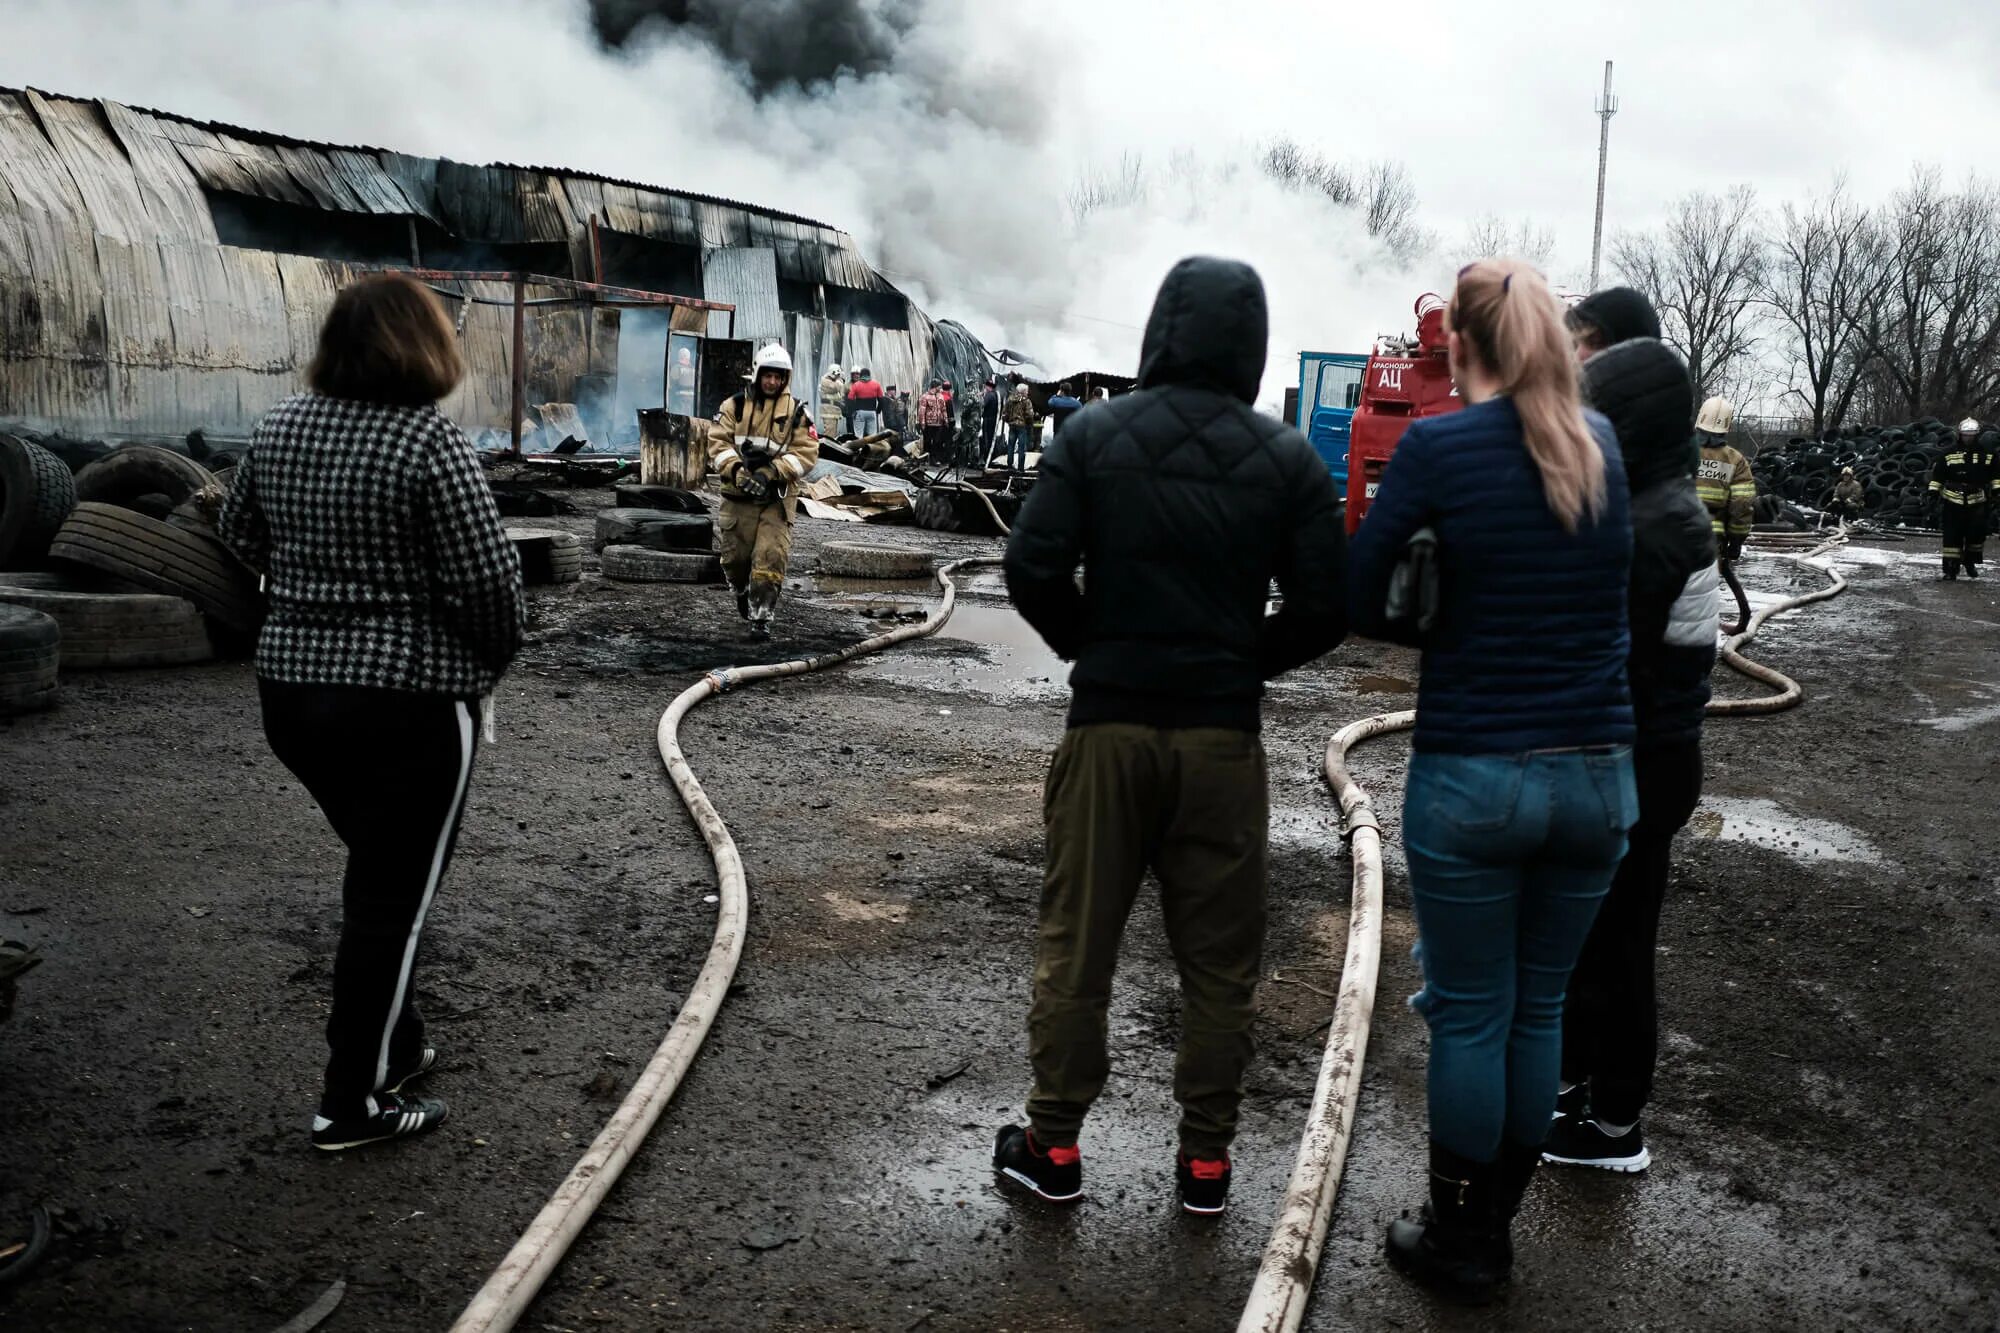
(1827,1062)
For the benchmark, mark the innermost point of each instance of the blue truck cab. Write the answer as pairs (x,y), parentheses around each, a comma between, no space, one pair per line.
(1329,391)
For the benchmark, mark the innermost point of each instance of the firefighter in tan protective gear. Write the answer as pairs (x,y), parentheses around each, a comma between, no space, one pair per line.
(1723,478)
(762,443)
(832,402)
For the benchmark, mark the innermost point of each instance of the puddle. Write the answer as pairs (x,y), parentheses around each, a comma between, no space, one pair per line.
(970,583)
(1968,718)
(1768,824)
(1013,662)
(1383,685)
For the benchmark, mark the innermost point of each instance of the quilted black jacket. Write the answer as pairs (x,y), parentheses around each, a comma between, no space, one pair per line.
(1642,386)
(1182,505)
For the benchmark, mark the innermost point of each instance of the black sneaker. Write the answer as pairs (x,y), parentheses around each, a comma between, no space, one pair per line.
(1055,1174)
(423,1064)
(1573,1100)
(1204,1183)
(1578,1140)
(399,1116)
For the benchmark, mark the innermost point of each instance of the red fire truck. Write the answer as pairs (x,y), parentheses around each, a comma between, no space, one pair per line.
(1406,378)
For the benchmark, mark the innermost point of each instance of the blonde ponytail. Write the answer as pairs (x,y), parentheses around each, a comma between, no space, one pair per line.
(1514,324)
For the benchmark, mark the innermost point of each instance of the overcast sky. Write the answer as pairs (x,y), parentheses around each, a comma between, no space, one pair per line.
(957,184)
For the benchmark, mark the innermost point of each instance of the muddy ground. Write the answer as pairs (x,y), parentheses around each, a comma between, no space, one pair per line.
(1823,1131)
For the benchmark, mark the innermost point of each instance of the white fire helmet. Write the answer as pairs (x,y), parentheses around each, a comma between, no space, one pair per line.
(1969,426)
(1717,416)
(772,356)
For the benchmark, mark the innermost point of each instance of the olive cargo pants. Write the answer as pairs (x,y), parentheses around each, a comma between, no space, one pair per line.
(1191,806)
(756,550)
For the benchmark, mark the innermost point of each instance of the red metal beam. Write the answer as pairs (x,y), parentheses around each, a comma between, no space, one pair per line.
(632,294)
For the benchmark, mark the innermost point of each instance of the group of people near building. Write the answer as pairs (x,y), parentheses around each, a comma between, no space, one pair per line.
(853,404)
(1547,549)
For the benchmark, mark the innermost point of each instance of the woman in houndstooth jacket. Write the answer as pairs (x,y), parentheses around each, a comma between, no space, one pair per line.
(395,608)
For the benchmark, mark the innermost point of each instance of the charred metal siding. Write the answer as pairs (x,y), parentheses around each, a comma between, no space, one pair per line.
(122,313)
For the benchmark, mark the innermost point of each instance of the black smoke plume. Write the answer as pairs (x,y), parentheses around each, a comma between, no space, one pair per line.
(780,43)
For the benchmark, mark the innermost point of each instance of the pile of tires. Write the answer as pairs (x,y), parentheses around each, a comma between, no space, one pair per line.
(671,543)
(173,559)
(1892,463)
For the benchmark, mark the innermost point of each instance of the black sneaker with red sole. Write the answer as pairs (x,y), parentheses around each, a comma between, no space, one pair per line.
(1054,1174)
(1204,1184)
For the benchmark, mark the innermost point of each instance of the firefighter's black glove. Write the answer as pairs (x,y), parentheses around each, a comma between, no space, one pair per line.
(761,486)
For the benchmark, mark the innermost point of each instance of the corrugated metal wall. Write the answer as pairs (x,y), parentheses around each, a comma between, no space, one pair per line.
(122,313)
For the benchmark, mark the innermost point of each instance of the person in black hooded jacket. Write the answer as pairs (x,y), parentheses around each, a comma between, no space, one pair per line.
(1182,504)
(1610,1017)
(1612,316)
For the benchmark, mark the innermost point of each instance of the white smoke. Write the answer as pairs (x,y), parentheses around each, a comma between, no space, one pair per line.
(953,167)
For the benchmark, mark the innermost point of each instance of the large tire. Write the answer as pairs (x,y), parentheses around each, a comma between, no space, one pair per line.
(162,558)
(638,564)
(854,560)
(126,475)
(30,648)
(547,556)
(657,528)
(37,492)
(637,495)
(112,629)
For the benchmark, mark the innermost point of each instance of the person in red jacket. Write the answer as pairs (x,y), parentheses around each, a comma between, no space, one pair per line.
(864,403)
(934,416)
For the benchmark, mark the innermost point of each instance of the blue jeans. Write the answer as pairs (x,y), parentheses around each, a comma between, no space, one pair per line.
(866,422)
(1017,447)
(1509,857)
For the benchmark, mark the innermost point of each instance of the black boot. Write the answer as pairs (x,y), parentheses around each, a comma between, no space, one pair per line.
(1512,1174)
(1457,1244)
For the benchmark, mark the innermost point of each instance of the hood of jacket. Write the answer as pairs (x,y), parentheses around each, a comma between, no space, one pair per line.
(1209,328)
(1642,386)
(1621,312)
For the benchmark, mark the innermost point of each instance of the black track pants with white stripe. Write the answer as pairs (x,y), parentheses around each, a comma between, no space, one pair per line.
(389,770)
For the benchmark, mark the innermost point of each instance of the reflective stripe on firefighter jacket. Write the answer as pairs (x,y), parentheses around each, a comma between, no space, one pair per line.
(1727,487)
(762,432)
(1961,477)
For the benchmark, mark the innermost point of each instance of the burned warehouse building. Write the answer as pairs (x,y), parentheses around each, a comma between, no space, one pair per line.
(160,275)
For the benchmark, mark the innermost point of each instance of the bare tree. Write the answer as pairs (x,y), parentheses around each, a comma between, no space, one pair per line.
(1487,236)
(1823,273)
(1389,201)
(1931,325)
(1297,167)
(1120,185)
(1702,270)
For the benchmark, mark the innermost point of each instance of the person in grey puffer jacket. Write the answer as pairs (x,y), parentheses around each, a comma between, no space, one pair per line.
(1610,1020)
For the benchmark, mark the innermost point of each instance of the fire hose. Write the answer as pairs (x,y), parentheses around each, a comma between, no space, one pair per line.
(500,1303)
(1284,1279)
(1283,1285)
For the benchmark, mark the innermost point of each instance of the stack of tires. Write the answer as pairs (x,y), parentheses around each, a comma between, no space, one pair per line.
(1892,463)
(658,535)
(119,561)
